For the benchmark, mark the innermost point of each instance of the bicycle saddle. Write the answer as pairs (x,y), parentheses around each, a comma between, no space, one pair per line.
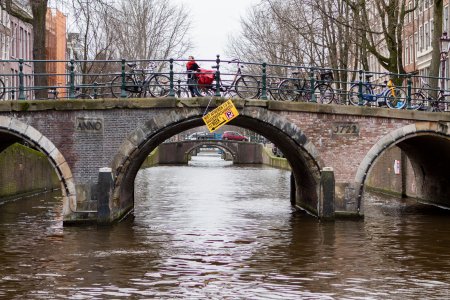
(369,76)
(132,65)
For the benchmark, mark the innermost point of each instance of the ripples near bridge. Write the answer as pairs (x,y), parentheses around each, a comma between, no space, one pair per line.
(213,230)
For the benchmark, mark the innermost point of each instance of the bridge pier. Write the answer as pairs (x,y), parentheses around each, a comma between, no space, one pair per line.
(326,207)
(104,189)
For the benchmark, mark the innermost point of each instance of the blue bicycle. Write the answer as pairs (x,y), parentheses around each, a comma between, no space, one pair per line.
(392,96)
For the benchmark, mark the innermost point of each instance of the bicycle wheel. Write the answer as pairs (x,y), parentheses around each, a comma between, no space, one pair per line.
(418,102)
(287,90)
(396,99)
(116,87)
(247,87)
(182,93)
(158,86)
(2,89)
(439,105)
(324,93)
(353,94)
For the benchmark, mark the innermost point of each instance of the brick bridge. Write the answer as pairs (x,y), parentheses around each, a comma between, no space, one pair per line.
(98,146)
(238,152)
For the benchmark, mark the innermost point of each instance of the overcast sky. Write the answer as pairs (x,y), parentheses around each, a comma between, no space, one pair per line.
(213,21)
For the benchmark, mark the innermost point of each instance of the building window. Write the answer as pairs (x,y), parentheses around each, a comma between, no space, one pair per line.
(406,53)
(410,53)
(416,44)
(21,43)
(420,38)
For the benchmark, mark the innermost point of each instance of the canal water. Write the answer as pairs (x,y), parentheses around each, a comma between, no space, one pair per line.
(212,230)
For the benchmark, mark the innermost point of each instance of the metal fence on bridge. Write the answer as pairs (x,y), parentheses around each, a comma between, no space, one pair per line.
(97,79)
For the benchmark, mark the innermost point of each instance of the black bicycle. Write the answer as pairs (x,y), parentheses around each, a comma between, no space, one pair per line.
(422,99)
(2,89)
(141,83)
(244,86)
(298,88)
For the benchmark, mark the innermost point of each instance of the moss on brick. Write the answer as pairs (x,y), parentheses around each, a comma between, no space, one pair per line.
(24,170)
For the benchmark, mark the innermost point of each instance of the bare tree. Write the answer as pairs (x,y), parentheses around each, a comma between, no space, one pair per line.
(435,39)
(150,29)
(383,38)
(297,32)
(94,36)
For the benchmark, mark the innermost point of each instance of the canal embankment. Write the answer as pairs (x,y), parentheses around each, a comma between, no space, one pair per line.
(23,172)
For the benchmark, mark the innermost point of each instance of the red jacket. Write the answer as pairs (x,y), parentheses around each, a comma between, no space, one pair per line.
(192,65)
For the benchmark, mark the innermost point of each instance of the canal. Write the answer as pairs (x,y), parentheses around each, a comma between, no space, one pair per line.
(212,230)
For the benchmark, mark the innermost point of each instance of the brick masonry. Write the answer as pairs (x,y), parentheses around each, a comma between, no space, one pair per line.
(311,136)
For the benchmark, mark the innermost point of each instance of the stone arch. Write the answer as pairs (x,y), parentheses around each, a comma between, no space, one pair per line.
(302,155)
(222,146)
(423,143)
(13,130)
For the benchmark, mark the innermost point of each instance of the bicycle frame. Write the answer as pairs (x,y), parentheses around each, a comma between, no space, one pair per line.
(228,88)
(370,96)
(233,82)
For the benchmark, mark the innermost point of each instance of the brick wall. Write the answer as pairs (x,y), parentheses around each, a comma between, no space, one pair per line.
(23,171)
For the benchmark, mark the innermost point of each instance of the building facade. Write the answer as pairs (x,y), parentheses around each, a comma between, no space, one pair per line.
(56,45)
(417,40)
(16,42)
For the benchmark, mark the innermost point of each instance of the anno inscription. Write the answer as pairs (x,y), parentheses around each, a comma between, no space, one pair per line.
(89,125)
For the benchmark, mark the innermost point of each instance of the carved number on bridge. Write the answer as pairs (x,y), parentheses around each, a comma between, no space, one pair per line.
(345,128)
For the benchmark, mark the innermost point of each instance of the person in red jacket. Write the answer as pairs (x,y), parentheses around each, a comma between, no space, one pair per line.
(191,67)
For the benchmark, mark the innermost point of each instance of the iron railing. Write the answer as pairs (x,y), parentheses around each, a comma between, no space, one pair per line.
(95,79)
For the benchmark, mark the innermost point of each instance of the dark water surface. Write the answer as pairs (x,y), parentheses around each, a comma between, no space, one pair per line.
(217,231)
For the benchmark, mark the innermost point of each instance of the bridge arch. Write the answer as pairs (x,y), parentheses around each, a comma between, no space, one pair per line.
(427,145)
(222,146)
(302,155)
(13,131)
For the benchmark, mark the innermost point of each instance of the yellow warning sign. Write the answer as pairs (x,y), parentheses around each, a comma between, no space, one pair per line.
(220,116)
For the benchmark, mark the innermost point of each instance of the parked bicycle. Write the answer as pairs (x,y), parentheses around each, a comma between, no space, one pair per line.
(299,88)
(2,89)
(141,83)
(422,99)
(392,96)
(180,91)
(272,88)
(244,86)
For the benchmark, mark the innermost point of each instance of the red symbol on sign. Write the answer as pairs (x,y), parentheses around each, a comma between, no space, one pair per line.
(229,114)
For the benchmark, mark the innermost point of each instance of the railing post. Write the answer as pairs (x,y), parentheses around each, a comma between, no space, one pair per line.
(217,76)
(360,89)
(312,83)
(171,91)
(408,93)
(264,82)
(179,88)
(123,94)
(72,80)
(95,90)
(21,87)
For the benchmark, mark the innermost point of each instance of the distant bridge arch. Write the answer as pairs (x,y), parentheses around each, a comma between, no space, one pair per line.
(181,151)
